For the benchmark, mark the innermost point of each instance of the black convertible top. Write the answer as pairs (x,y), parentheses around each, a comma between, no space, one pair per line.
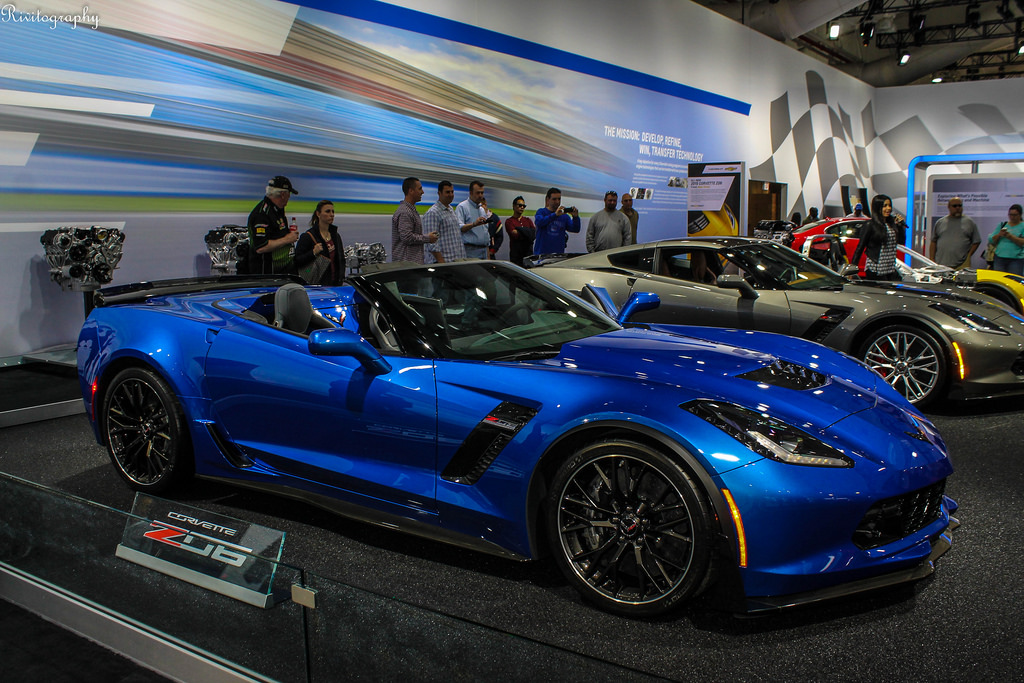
(140,291)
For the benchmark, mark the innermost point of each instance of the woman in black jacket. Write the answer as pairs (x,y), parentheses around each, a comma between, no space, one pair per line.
(319,253)
(879,240)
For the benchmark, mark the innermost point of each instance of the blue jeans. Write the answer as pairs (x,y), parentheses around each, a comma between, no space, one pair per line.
(1009,265)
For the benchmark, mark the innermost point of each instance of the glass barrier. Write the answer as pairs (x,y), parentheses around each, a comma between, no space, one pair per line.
(71,543)
(343,633)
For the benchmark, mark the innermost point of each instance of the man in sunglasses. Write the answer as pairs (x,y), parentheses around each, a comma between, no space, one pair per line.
(521,232)
(956,237)
(609,228)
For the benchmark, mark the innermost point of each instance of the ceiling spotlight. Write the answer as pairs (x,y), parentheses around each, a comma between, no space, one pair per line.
(937,79)
(867,32)
(915,21)
(904,58)
(1020,50)
(833,30)
(972,17)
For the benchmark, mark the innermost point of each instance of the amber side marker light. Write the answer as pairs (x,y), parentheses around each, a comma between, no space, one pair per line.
(741,537)
(959,360)
(92,396)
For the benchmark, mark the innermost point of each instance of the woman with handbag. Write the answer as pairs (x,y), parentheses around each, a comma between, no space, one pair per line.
(1009,243)
(319,253)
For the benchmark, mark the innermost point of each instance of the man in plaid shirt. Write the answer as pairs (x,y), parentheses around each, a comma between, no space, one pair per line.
(441,218)
(407,238)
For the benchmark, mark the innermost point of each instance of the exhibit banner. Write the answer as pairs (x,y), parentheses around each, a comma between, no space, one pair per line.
(714,198)
(219,553)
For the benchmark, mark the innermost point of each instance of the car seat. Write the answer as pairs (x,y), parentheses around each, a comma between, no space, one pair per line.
(293,312)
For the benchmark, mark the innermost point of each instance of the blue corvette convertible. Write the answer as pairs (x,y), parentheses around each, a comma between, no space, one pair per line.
(478,404)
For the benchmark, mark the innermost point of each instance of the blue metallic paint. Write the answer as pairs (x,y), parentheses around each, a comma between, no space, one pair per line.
(326,425)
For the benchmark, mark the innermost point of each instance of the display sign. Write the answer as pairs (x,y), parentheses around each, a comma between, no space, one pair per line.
(714,199)
(223,554)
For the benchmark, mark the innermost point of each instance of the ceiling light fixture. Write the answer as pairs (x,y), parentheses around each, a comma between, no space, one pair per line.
(937,79)
(972,16)
(904,58)
(867,32)
(833,30)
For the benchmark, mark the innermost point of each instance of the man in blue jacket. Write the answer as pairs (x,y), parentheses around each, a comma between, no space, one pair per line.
(553,222)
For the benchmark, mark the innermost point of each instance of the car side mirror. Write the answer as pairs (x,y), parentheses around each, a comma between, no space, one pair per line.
(343,342)
(736,282)
(849,270)
(637,303)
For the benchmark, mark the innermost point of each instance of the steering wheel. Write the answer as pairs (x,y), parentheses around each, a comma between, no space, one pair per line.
(512,315)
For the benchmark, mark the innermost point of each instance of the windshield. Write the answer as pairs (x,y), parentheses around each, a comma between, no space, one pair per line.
(773,266)
(484,310)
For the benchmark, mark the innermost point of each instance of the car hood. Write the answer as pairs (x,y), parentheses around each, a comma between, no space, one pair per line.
(702,364)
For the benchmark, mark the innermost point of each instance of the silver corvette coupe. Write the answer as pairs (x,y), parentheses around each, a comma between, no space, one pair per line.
(926,342)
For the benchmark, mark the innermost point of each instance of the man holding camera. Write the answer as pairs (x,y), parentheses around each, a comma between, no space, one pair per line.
(553,222)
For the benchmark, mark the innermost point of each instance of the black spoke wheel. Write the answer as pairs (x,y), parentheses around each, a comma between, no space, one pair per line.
(629,528)
(145,431)
(910,360)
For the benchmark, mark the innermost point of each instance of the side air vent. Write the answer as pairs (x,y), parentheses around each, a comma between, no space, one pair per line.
(826,322)
(486,441)
(230,451)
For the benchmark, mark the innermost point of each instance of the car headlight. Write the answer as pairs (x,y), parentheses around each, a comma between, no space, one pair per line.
(976,322)
(768,436)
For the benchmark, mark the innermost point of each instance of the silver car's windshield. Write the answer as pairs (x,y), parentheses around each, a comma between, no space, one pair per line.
(485,310)
(773,266)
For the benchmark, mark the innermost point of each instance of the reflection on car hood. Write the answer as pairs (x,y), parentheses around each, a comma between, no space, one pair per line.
(700,368)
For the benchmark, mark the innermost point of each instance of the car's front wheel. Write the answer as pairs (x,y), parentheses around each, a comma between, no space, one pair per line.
(145,431)
(629,528)
(909,359)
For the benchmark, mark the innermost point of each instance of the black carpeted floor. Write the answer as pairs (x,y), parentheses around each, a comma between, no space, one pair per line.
(961,623)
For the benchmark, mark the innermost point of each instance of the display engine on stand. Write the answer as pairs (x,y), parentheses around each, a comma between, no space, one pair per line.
(228,247)
(82,259)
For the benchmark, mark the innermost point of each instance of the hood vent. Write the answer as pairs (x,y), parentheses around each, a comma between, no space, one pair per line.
(789,375)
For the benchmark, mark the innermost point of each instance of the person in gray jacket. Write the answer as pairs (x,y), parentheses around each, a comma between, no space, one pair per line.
(609,228)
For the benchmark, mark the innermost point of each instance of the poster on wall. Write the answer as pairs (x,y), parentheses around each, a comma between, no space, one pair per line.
(346,107)
(987,198)
(715,195)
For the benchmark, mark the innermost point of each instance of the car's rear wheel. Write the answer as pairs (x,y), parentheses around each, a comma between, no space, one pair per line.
(909,359)
(629,528)
(145,431)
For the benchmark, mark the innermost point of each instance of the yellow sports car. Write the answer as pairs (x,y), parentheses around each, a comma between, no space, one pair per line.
(1006,287)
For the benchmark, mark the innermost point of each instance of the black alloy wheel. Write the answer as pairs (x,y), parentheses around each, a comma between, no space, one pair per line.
(629,528)
(145,431)
(910,360)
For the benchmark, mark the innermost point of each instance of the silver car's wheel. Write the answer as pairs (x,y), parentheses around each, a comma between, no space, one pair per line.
(145,431)
(629,528)
(910,360)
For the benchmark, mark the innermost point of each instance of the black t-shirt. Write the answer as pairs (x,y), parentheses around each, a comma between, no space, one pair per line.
(268,222)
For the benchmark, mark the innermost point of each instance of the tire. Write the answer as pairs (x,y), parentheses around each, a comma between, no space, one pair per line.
(911,360)
(145,432)
(629,529)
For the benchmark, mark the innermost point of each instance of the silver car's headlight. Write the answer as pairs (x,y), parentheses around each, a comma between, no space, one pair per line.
(974,321)
(768,436)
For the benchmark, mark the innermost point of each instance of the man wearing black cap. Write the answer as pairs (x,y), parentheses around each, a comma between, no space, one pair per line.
(270,240)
